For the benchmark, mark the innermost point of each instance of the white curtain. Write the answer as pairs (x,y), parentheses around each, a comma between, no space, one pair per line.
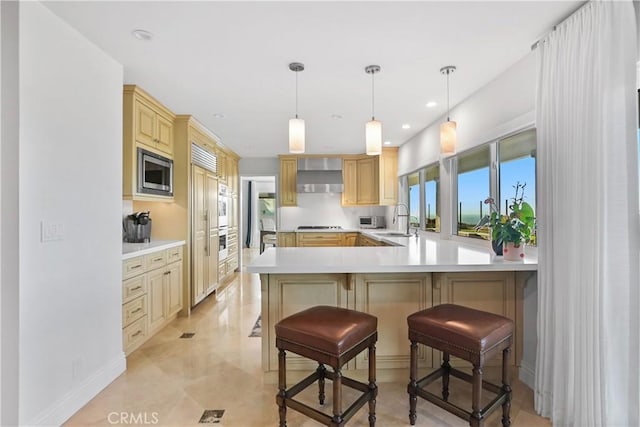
(588,359)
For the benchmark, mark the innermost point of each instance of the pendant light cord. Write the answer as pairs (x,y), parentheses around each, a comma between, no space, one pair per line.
(373,94)
(296,95)
(448,96)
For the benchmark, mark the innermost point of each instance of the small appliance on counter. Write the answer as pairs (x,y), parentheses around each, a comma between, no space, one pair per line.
(376,221)
(137,227)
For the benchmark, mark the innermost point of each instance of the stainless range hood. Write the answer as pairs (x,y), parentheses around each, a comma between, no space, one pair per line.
(320,175)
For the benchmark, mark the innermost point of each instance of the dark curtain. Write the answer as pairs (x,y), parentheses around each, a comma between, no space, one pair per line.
(247,242)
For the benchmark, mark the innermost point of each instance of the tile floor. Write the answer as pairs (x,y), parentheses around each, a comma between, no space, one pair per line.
(172,381)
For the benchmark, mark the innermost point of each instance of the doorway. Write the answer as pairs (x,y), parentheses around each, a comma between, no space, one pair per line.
(258,208)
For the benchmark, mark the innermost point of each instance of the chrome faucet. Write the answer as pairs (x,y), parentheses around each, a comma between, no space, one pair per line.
(397,215)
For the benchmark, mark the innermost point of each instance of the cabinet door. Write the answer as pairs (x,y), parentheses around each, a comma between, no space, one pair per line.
(222,166)
(164,135)
(211,256)
(494,292)
(145,124)
(391,298)
(156,280)
(291,293)
(286,240)
(288,180)
(174,288)
(350,179)
(368,176)
(199,235)
(349,239)
(388,177)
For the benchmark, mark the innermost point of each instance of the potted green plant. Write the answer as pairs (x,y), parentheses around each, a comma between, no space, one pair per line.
(513,230)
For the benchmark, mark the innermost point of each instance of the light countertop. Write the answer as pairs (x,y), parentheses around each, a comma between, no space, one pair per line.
(131,250)
(411,254)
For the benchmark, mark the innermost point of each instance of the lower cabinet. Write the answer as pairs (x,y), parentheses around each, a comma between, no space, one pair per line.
(391,297)
(286,239)
(152,295)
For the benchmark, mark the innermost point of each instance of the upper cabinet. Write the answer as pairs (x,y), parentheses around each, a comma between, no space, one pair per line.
(288,180)
(146,124)
(371,180)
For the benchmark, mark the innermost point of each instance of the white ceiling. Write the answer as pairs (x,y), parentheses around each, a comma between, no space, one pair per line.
(232,58)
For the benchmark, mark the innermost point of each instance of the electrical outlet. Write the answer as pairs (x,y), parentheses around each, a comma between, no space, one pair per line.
(50,231)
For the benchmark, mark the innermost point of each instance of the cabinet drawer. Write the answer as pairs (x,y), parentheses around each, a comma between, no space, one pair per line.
(174,254)
(232,264)
(133,288)
(155,260)
(133,310)
(134,334)
(132,267)
(222,270)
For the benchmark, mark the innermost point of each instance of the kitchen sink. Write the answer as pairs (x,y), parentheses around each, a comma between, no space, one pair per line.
(393,234)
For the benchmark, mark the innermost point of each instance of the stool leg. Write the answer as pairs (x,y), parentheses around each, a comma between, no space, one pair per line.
(506,388)
(446,368)
(476,397)
(413,385)
(373,389)
(282,386)
(337,398)
(321,376)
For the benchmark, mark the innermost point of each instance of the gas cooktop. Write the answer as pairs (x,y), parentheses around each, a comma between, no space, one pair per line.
(319,227)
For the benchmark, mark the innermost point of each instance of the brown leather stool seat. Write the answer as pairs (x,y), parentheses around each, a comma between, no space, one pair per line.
(469,334)
(330,336)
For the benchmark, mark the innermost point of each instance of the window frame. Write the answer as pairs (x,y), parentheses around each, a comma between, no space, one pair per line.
(421,199)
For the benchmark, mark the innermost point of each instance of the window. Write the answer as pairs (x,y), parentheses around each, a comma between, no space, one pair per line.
(476,180)
(431,177)
(414,200)
(473,187)
(517,156)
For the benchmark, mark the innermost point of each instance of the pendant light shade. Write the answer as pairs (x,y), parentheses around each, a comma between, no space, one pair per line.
(373,128)
(448,128)
(373,137)
(296,125)
(296,135)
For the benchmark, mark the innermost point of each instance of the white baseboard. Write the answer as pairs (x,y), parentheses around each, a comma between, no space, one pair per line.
(527,374)
(75,399)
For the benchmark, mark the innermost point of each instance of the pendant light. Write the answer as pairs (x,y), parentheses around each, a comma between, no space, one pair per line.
(373,128)
(296,126)
(448,128)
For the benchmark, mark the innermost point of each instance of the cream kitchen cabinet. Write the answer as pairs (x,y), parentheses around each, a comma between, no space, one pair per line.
(288,181)
(371,180)
(146,124)
(286,239)
(318,239)
(151,294)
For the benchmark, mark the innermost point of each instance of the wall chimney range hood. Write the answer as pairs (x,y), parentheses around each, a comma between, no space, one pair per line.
(320,175)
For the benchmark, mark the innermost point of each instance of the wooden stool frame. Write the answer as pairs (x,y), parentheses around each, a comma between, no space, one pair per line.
(477,415)
(285,397)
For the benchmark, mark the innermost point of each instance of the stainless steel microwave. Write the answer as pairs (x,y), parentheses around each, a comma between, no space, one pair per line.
(155,174)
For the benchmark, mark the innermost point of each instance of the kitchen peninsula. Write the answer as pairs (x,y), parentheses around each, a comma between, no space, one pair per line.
(389,282)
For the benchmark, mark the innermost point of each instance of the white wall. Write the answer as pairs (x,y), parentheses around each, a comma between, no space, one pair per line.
(9,292)
(505,105)
(70,173)
(323,209)
(259,166)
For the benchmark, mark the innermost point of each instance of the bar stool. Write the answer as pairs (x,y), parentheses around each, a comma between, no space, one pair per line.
(469,334)
(330,336)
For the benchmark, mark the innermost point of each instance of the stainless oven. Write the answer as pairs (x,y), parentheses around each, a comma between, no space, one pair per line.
(223,242)
(223,206)
(155,174)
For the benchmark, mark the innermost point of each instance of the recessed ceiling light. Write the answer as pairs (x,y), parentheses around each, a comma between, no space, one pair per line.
(406,126)
(336,116)
(219,116)
(431,104)
(387,143)
(142,35)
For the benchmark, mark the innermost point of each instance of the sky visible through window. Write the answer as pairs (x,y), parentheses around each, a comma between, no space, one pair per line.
(473,187)
(430,199)
(414,204)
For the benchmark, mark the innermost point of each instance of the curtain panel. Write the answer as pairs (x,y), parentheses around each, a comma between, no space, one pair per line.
(588,358)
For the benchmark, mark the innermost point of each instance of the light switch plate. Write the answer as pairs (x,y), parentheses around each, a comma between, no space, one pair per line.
(50,231)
